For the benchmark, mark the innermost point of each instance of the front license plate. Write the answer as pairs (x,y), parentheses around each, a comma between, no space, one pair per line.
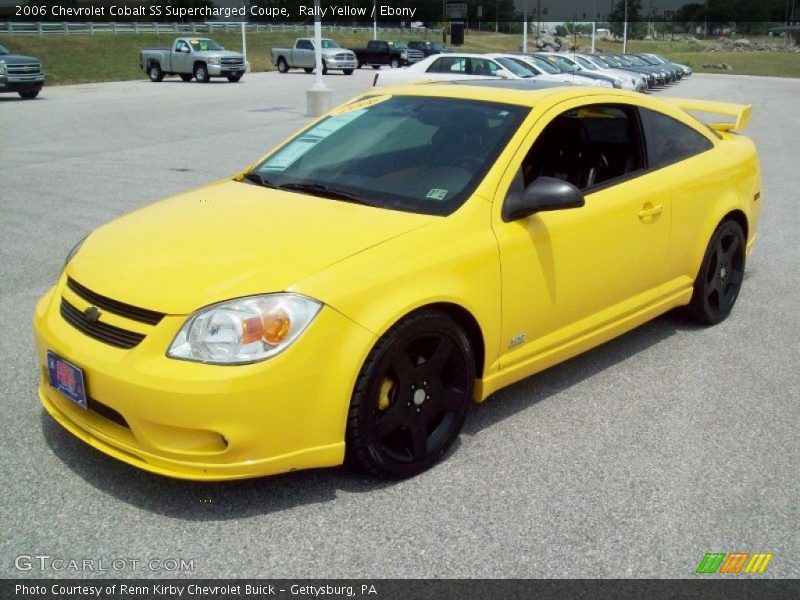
(67,379)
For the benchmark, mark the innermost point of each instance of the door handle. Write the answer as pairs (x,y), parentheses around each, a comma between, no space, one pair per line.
(650,211)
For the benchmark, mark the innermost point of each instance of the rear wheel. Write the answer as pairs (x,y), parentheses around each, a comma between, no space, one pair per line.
(721,274)
(234,77)
(308,69)
(395,64)
(201,73)
(283,66)
(186,76)
(30,95)
(376,67)
(155,73)
(411,397)
(347,71)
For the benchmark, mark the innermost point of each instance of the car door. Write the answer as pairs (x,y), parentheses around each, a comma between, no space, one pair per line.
(182,57)
(569,273)
(304,54)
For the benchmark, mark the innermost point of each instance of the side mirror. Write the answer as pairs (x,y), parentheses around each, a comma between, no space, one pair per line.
(544,193)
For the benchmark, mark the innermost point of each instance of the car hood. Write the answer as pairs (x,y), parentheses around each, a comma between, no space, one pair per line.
(227,240)
(17,59)
(222,54)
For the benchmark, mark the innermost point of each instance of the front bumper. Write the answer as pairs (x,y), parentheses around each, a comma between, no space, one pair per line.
(205,422)
(340,64)
(21,84)
(223,70)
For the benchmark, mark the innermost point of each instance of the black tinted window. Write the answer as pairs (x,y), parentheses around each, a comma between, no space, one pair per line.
(586,146)
(669,141)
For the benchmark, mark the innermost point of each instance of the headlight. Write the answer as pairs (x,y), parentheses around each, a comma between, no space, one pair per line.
(213,61)
(71,254)
(2,68)
(245,330)
(404,55)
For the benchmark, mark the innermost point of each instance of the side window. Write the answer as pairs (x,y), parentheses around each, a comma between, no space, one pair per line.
(587,146)
(372,45)
(448,64)
(669,140)
(484,67)
(305,45)
(182,46)
(436,66)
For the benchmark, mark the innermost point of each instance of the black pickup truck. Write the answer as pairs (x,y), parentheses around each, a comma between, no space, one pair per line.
(381,52)
(427,48)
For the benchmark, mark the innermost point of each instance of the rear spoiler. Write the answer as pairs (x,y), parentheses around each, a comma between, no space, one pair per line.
(740,112)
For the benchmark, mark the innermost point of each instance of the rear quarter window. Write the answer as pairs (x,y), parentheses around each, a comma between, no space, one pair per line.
(670,141)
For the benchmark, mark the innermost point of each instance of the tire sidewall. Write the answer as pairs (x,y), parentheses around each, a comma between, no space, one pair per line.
(701,309)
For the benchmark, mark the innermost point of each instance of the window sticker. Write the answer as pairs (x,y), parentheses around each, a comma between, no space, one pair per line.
(436,194)
(289,154)
(360,104)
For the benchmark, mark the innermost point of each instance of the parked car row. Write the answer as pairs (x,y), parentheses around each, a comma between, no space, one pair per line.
(638,72)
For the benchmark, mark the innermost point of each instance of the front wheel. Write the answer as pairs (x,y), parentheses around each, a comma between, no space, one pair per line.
(234,77)
(186,77)
(395,64)
(201,73)
(376,67)
(308,70)
(347,71)
(324,68)
(721,274)
(155,73)
(411,397)
(30,95)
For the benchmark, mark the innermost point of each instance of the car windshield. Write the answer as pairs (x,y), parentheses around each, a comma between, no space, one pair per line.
(330,44)
(415,154)
(518,68)
(399,45)
(204,45)
(3,50)
(543,65)
(437,46)
(585,63)
(648,60)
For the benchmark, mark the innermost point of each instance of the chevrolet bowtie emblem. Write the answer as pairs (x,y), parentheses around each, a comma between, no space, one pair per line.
(92,314)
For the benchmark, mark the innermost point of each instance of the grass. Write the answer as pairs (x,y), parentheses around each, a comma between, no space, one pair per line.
(109,57)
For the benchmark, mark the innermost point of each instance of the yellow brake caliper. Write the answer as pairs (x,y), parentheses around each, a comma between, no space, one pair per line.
(383,396)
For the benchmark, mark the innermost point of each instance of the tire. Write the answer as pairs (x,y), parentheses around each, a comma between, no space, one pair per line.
(359,65)
(308,70)
(347,71)
(411,397)
(201,73)
(30,95)
(720,277)
(283,66)
(155,73)
(234,77)
(395,63)
(186,77)
(324,68)
(376,67)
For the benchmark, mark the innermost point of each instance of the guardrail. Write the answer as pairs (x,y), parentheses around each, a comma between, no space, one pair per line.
(210,27)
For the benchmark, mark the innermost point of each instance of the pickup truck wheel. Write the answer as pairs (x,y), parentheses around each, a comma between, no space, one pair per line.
(395,64)
(186,76)
(347,71)
(324,68)
(234,77)
(201,73)
(283,66)
(308,70)
(29,95)
(376,67)
(155,73)
(359,65)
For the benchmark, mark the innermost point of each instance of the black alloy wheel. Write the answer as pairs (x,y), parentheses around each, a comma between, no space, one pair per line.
(412,397)
(721,274)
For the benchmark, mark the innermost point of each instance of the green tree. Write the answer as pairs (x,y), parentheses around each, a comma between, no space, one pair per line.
(636,28)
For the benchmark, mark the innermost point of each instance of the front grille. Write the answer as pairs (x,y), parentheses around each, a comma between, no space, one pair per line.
(233,62)
(108,413)
(345,56)
(415,56)
(26,69)
(115,336)
(134,313)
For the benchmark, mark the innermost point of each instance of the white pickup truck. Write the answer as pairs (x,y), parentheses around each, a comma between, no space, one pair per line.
(190,57)
(301,56)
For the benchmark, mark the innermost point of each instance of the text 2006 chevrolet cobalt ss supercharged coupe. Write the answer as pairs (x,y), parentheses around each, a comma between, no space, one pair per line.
(352,293)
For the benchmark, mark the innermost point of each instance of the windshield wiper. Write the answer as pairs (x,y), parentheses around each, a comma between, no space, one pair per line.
(325,191)
(253,177)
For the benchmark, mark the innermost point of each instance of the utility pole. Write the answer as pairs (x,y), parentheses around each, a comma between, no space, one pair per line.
(496,16)
(625,30)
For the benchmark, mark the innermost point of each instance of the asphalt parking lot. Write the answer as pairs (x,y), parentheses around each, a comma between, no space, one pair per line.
(632,460)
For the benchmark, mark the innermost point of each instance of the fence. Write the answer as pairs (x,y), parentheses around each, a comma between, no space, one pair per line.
(89,28)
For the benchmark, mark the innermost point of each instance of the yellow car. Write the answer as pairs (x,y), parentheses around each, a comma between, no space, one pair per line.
(352,293)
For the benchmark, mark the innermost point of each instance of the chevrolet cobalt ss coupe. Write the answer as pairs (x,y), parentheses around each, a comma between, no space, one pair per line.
(349,295)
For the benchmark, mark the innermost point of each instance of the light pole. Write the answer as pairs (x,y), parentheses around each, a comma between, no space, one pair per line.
(525,28)
(496,16)
(594,22)
(374,19)
(625,30)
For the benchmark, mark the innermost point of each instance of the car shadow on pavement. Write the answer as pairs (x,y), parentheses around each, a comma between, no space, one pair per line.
(237,499)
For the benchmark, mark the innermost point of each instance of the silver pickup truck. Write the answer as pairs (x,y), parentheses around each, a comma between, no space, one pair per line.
(190,57)
(301,56)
